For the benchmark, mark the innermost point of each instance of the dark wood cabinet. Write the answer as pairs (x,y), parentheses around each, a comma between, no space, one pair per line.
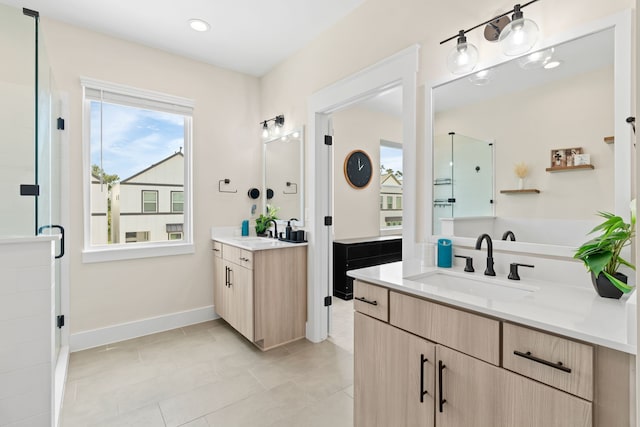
(350,254)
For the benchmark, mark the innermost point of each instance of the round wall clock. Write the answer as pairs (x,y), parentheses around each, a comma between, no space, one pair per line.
(358,169)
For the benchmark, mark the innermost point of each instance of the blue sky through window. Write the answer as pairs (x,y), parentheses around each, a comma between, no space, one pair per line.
(391,158)
(132,138)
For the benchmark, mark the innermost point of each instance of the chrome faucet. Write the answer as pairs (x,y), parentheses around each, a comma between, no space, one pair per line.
(509,234)
(489,271)
(275,227)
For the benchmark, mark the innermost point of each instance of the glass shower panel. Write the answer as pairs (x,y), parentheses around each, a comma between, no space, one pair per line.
(473,173)
(17,122)
(48,163)
(442,180)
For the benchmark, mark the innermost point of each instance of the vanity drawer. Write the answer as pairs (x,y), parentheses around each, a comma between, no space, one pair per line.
(217,249)
(469,333)
(371,300)
(558,362)
(238,256)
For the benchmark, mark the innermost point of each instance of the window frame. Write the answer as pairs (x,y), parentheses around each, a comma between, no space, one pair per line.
(389,229)
(143,201)
(173,193)
(153,101)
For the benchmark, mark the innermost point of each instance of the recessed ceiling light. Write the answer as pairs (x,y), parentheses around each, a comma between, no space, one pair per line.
(199,25)
(552,64)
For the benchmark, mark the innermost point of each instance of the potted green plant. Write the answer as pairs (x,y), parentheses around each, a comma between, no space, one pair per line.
(601,255)
(262,222)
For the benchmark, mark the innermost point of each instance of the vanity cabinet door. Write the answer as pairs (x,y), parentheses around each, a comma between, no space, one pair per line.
(240,299)
(468,391)
(219,282)
(393,376)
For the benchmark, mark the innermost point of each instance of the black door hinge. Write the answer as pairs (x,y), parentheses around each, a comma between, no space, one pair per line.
(328,220)
(491,201)
(60,123)
(451,200)
(60,321)
(29,190)
(327,301)
(328,140)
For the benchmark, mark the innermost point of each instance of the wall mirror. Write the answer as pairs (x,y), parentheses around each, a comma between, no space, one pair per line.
(527,109)
(284,174)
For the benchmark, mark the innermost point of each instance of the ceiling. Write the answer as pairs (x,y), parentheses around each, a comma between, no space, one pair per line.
(249,36)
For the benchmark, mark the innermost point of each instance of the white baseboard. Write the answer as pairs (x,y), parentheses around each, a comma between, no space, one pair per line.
(139,328)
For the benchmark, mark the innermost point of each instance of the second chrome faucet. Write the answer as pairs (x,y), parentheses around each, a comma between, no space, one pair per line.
(489,270)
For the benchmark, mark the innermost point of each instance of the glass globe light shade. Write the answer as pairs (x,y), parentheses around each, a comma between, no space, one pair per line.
(463,58)
(518,37)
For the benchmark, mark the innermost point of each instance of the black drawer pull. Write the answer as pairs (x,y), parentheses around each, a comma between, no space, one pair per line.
(529,356)
(422,390)
(441,400)
(363,299)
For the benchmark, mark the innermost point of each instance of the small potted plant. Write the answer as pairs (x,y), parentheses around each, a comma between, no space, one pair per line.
(262,222)
(521,170)
(601,255)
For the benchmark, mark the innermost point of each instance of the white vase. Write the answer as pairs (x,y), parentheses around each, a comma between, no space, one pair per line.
(520,183)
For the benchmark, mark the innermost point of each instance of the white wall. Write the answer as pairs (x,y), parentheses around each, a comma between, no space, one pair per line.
(226,144)
(357,212)
(576,112)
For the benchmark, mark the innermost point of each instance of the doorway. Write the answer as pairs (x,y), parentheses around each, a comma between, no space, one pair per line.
(399,70)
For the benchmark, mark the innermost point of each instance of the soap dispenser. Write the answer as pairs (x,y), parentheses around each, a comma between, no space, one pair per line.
(287,232)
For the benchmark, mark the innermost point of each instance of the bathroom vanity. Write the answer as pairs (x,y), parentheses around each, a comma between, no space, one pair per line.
(260,288)
(449,348)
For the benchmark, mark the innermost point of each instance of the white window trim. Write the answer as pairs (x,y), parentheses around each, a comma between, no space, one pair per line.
(118,252)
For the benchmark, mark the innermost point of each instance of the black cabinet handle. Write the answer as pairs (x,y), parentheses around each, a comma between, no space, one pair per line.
(363,299)
(227,277)
(229,281)
(422,390)
(442,401)
(529,356)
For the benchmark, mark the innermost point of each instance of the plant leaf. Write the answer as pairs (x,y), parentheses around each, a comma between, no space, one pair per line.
(619,284)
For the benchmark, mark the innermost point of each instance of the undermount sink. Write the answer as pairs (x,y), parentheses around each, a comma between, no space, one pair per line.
(477,285)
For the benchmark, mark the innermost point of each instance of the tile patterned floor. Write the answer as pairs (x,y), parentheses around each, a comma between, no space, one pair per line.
(209,375)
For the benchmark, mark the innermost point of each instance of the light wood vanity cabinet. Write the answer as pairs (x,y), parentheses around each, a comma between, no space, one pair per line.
(478,379)
(262,294)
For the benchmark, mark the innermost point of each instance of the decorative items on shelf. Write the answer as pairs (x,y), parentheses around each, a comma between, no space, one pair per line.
(601,255)
(564,159)
(523,191)
(521,170)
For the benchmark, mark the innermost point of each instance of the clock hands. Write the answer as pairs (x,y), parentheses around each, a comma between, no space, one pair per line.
(360,166)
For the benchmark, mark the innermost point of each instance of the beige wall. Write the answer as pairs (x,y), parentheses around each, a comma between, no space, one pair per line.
(574,112)
(226,144)
(357,212)
(226,141)
(380,28)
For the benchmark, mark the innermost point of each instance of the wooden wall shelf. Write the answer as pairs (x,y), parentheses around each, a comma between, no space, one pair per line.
(523,191)
(609,139)
(569,168)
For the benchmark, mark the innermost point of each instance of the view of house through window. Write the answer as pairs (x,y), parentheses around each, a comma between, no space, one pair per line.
(390,185)
(137,169)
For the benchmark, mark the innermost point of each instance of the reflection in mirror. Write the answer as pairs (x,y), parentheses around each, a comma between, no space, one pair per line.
(283,175)
(463,178)
(529,109)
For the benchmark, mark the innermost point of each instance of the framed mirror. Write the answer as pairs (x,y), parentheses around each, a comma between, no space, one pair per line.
(284,175)
(530,110)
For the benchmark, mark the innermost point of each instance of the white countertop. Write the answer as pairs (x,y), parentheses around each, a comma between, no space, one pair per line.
(253,243)
(575,312)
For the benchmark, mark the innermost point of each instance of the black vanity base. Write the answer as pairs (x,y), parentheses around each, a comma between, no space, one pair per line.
(351,254)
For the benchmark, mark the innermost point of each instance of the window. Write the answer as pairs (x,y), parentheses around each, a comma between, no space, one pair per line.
(136,236)
(177,201)
(149,201)
(138,153)
(390,184)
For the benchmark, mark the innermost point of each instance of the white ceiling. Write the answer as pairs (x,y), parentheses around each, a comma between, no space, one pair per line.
(249,36)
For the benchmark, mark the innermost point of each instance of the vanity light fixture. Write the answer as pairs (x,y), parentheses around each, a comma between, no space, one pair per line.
(199,25)
(537,59)
(278,123)
(516,36)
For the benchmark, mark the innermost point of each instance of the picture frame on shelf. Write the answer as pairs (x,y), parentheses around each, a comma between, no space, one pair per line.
(565,157)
